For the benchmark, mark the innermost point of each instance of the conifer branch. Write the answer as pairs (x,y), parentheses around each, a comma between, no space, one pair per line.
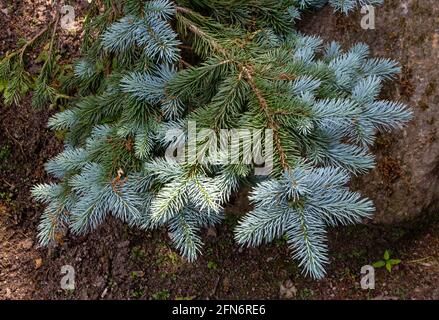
(248,75)
(271,122)
(135,98)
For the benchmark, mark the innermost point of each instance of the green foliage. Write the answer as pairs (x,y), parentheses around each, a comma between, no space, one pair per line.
(161,295)
(185,298)
(5,152)
(16,81)
(138,293)
(149,71)
(387,262)
(137,253)
(212,265)
(52,82)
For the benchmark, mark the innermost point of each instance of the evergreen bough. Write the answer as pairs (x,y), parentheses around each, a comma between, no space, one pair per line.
(149,67)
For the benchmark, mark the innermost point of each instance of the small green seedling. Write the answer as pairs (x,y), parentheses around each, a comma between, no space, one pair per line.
(161,295)
(212,265)
(387,262)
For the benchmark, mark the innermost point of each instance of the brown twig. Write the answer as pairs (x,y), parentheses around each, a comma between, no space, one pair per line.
(16,141)
(185,63)
(271,122)
(183,10)
(9,184)
(31,41)
(215,288)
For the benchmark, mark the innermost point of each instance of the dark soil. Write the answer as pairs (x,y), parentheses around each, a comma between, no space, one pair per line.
(116,262)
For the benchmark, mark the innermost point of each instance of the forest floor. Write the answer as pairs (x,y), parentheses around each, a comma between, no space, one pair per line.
(116,262)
